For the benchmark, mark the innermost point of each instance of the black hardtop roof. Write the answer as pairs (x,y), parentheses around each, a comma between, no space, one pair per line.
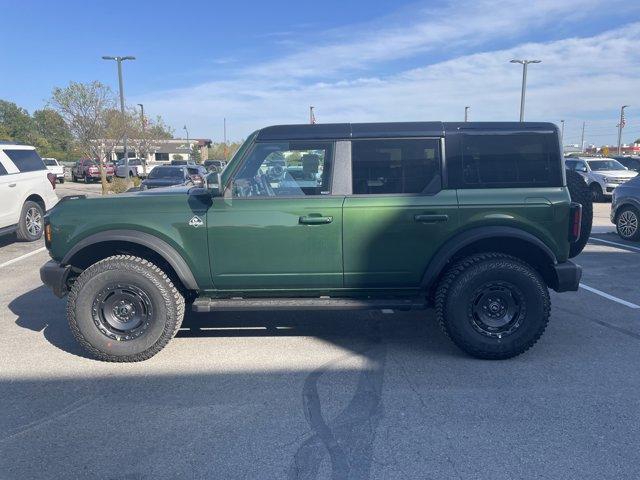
(321,131)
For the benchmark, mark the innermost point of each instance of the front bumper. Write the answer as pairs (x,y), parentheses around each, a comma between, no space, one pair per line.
(55,277)
(567,276)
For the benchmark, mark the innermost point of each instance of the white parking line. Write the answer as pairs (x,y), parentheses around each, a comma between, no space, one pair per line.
(615,243)
(26,255)
(609,297)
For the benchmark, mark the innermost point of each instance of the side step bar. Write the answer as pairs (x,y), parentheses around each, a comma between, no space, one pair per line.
(205,304)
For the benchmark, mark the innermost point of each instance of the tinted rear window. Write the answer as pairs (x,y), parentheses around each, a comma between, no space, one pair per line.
(396,166)
(166,172)
(506,160)
(26,160)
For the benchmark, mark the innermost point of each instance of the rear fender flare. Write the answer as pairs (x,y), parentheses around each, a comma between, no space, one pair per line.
(463,239)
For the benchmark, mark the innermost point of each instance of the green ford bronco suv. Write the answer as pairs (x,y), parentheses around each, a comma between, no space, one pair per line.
(474,219)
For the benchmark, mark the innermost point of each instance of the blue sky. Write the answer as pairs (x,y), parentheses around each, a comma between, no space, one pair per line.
(260,63)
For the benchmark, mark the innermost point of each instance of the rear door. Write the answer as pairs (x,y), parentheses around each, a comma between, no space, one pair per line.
(278,226)
(398,214)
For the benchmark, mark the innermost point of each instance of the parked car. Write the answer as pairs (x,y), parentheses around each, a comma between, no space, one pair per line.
(89,170)
(214,165)
(387,226)
(170,175)
(54,167)
(136,168)
(27,191)
(631,162)
(625,210)
(602,175)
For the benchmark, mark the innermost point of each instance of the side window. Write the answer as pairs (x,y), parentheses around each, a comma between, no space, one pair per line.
(283,169)
(3,171)
(581,167)
(510,160)
(571,164)
(395,166)
(26,160)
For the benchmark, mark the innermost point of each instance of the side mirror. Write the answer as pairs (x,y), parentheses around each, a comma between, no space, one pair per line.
(214,184)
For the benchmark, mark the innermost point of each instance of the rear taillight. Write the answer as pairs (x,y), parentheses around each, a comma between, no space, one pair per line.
(47,233)
(52,179)
(575,221)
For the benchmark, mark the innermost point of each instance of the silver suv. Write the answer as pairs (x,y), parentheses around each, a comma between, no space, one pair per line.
(602,175)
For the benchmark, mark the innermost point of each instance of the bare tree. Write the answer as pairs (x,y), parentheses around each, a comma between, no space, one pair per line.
(85,107)
(146,135)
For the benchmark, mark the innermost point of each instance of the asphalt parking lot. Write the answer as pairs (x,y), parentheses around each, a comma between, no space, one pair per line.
(266,395)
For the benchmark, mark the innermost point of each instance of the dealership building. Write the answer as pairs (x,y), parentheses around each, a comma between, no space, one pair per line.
(161,151)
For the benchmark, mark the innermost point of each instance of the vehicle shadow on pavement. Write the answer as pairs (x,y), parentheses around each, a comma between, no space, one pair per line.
(37,312)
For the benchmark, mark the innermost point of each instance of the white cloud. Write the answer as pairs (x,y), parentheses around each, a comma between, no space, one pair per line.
(580,78)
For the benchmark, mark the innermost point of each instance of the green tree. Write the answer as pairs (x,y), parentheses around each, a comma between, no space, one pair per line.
(16,123)
(222,151)
(54,136)
(84,107)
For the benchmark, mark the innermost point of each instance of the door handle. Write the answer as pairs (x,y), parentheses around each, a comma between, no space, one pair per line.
(423,218)
(12,185)
(313,220)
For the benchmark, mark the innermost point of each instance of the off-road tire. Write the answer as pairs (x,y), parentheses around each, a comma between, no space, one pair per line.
(454,305)
(166,301)
(630,213)
(23,234)
(581,194)
(597,195)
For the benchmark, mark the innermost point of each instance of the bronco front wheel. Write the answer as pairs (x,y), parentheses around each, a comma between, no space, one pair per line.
(492,305)
(124,309)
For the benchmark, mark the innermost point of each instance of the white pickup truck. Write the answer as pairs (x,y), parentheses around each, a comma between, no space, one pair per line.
(136,168)
(54,167)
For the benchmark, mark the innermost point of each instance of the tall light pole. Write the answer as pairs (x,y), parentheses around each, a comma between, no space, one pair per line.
(562,135)
(582,138)
(188,146)
(144,138)
(524,64)
(466,114)
(620,127)
(312,117)
(226,150)
(119,60)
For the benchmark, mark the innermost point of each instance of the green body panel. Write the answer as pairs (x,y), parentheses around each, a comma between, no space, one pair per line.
(383,243)
(543,212)
(164,215)
(260,244)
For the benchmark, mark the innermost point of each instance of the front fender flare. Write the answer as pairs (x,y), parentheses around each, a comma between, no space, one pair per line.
(161,247)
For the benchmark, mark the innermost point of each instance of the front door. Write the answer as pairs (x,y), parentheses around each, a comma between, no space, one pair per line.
(278,226)
(398,215)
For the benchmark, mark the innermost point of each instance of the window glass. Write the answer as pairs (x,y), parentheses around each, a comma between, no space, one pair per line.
(510,160)
(285,169)
(3,171)
(26,160)
(601,165)
(50,162)
(571,164)
(395,166)
(166,172)
(162,157)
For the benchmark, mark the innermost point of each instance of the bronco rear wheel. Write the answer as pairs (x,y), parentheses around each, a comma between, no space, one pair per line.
(580,193)
(124,309)
(492,305)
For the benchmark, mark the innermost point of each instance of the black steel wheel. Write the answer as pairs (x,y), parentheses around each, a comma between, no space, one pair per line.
(124,309)
(497,309)
(492,305)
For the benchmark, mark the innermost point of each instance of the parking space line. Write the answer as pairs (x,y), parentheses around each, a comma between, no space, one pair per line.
(17,259)
(609,297)
(615,243)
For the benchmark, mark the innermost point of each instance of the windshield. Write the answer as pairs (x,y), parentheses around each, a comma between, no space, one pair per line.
(166,173)
(599,165)
(49,162)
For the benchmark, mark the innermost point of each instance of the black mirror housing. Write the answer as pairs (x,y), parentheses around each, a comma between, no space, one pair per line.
(214,184)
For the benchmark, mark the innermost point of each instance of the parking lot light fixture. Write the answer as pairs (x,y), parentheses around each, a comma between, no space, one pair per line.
(621,124)
(524,64)
(119,61)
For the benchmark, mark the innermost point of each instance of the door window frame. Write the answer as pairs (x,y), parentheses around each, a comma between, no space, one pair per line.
(228,189)
(443,163)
